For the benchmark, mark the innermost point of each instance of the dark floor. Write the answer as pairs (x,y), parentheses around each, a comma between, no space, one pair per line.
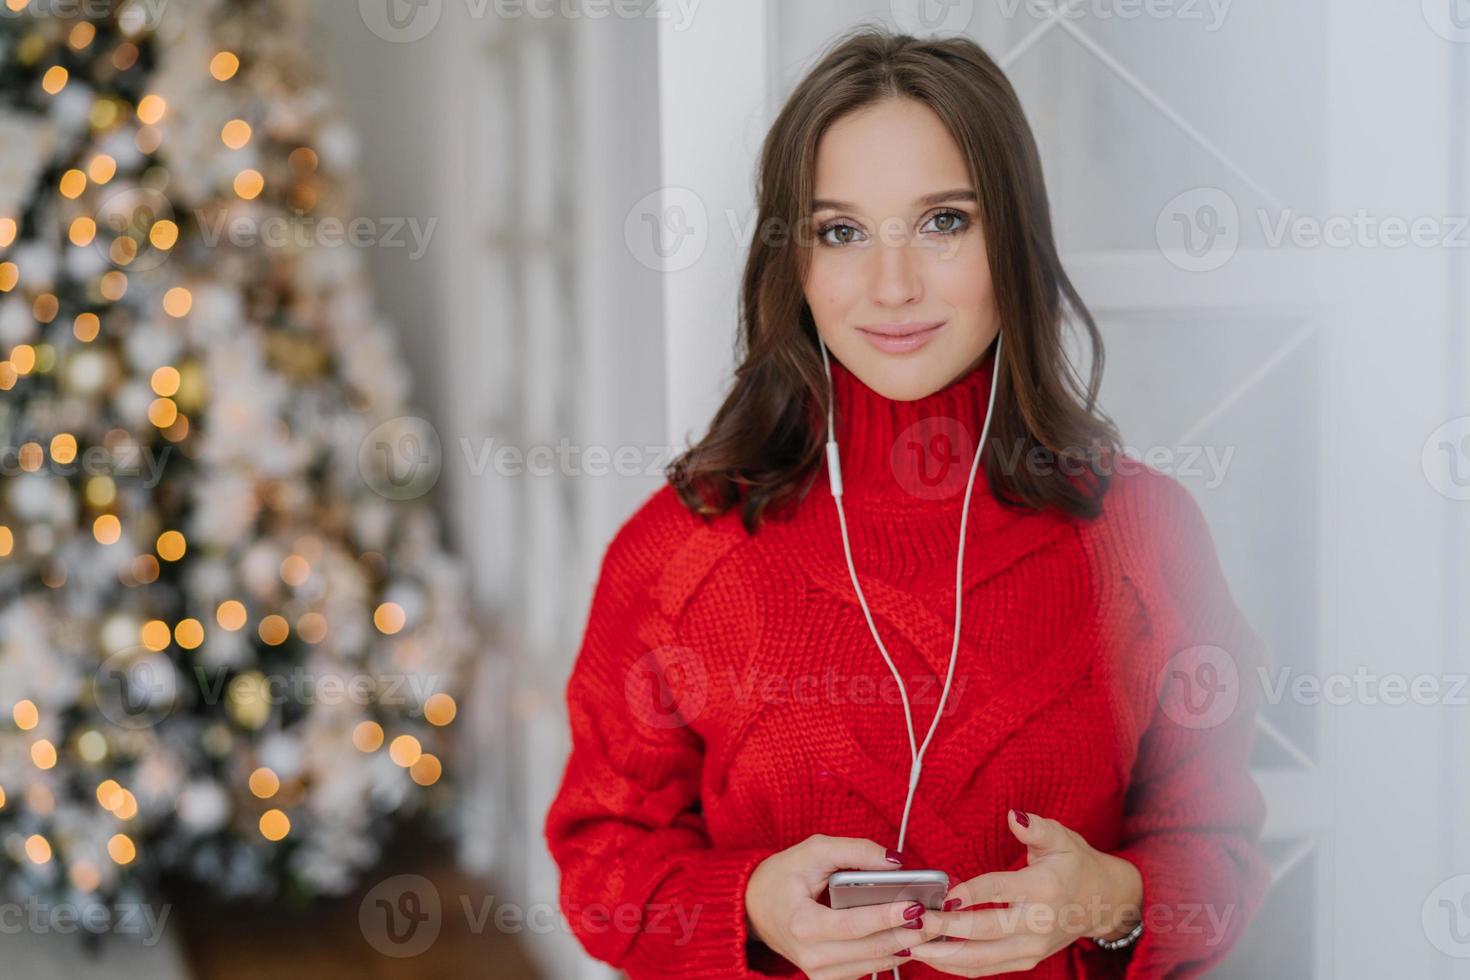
(350,939)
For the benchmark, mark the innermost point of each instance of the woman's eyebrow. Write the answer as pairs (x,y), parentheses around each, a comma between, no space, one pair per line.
(940,197)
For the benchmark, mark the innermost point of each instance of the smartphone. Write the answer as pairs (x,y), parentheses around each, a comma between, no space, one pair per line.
(851,889)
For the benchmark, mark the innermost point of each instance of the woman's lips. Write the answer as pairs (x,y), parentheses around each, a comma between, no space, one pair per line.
(902,338)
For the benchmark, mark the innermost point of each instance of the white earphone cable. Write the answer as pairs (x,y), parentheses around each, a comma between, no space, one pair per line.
(834,472)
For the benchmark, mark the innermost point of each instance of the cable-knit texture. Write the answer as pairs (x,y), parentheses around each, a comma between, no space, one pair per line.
(728,701)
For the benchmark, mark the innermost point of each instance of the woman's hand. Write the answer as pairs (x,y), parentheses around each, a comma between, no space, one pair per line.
(1067,890)
(831,944)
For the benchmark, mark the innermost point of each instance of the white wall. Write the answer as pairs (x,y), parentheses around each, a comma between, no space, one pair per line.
(529,141)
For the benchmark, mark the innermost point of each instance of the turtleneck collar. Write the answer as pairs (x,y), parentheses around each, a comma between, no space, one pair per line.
(901,453)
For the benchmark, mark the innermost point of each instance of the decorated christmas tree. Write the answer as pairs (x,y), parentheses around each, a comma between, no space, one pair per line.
(230,640)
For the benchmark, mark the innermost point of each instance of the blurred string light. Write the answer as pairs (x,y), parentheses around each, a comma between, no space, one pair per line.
(274,824)
(25,714)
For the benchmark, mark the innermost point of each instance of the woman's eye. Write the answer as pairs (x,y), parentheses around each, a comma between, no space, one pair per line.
(957,221)
(950,222)
(838,228)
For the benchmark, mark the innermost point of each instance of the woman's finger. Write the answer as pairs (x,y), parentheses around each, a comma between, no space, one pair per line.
(982,924)
(863,921)
(1004,887)
(878,946)
(997,956)
(1041,835)
(824,854)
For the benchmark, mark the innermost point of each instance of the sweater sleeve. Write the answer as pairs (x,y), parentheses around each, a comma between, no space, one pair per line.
(642,888)
(1193,813)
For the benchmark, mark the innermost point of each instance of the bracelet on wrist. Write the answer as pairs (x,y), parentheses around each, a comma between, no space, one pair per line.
(1122,941)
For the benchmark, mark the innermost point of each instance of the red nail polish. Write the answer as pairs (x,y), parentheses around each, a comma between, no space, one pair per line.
(953,939)
(951,905)
(916,924)
(894,857)
(913,911)
(1021,818)
(902,952)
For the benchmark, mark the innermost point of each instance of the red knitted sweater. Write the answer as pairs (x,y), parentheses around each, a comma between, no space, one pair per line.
(728,701)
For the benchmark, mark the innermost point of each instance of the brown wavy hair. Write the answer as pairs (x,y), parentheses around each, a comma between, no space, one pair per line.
(766,442)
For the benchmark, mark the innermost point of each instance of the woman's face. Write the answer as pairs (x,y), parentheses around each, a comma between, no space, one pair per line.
(898,246)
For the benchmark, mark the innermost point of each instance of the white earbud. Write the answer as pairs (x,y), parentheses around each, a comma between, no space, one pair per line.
(834,472)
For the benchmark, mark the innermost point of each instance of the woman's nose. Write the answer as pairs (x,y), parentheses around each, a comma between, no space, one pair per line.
(897,278)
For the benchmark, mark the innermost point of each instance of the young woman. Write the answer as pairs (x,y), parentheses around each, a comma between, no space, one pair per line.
(802,659)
